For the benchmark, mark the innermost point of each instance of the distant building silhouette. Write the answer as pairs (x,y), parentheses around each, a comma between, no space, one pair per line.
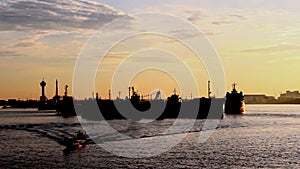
(289,96)
(45,103)
(259,99)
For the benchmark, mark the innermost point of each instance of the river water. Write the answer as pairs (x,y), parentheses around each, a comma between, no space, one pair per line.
(267,136)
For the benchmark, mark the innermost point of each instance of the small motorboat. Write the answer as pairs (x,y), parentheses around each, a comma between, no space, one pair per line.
(76,142)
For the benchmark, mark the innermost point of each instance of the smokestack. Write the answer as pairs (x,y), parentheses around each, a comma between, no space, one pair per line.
(56,88)
(66,90)
(109,94)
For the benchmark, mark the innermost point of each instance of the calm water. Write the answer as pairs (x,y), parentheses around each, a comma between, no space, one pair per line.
(266,137)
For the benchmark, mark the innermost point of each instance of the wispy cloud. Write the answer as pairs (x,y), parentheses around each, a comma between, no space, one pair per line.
(195,15)
(183,33)
(213,18)
(24,44)
(277,48)
(222,21)
(238,16)
(8,54)
(31,15)
(49,24)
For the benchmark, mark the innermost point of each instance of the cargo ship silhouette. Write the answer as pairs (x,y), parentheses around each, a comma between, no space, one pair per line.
(136,107)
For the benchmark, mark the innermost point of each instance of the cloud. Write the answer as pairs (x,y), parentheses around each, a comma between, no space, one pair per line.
(7,54)
(117,55)
(183,33)
(213,18)
(151,59)
(210,33)
(195,15)
(220,22)
(277,48)
(228,19)
(238,16)
(30,40)
(31,15)
(24,44)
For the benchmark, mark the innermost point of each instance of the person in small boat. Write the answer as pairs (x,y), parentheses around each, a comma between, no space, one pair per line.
(80,135)
(69,141)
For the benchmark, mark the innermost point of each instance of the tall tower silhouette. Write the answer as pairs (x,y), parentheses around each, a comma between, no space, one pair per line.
(56,88)
(43,85)
(66,90)
(56,96)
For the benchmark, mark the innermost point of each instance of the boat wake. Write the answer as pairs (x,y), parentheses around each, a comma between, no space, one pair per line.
(58,131)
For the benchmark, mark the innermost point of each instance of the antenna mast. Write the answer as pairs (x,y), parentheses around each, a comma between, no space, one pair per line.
(129,88)
(109,94)
(66,90)
(208,89)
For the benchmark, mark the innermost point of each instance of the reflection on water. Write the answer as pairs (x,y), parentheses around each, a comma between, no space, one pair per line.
(266,136)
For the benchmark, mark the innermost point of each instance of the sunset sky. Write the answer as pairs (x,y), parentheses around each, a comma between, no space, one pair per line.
(258,42)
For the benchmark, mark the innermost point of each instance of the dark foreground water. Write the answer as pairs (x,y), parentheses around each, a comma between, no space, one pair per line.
(268,136)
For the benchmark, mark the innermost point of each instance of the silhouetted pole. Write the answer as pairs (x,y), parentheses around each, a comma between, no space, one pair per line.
(234,86)
(109,94)
(129,88)
(97,96)
(56,88)
(66,90)
(208,89)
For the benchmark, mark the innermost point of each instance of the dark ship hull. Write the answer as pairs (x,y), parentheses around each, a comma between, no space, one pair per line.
(172,110)
(173,107)
(234,103)
(65,107)
(46,106)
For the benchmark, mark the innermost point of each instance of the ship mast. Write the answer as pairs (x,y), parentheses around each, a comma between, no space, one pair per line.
(208,89)
(234,87)
(129,89)
(109,94)
(66,90)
